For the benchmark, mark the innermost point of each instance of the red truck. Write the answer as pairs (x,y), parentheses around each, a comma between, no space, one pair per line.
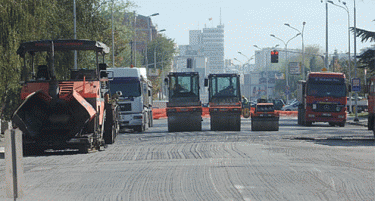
(322,98)
(371,104)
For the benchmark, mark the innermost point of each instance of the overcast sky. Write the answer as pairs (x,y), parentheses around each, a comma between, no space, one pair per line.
(249,22)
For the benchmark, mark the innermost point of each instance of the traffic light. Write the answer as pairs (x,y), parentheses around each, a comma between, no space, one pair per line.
(189,63)
(274,56)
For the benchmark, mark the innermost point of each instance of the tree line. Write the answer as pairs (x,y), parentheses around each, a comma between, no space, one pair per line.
(31,20)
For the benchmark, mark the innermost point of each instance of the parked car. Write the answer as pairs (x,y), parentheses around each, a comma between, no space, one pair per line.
(278,104)
(291,107)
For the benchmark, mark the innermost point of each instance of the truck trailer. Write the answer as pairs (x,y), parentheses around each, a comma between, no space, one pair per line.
(134,93)
(322,98)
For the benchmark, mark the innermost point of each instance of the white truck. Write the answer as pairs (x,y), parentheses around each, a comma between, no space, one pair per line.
(134,92)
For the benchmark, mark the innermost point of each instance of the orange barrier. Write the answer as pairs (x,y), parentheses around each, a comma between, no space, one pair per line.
(161,113)
(287,113)
(158,113)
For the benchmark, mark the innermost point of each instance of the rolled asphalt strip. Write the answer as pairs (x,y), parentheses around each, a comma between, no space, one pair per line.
(350,120)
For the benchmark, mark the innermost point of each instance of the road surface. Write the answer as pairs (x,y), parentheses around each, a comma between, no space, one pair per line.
(294,163)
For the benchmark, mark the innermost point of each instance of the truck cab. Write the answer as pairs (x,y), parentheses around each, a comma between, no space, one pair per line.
(134,93)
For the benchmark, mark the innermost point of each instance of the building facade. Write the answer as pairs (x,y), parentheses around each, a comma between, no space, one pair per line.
(213,48)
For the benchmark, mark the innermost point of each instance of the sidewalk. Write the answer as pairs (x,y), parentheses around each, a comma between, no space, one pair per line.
(362,121)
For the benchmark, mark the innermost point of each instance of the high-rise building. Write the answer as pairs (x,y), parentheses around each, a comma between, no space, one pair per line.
(195,37)
(213,48)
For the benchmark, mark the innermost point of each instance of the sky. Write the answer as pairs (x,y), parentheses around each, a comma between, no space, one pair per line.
(248,22)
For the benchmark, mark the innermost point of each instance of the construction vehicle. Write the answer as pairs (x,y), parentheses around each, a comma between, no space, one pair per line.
(224,101)
(264,118)
(69,113)
(322,98)
(246,107)
(134,92)
(184,108)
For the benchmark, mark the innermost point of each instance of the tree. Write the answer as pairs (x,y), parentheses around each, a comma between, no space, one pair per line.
(160,55)
(367,59)
(28,20)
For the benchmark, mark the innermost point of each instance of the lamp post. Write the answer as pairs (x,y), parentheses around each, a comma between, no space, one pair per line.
(286,54)
(149,36)
(243,67)
(248,60)
(326,58)
(303,46)
(161,72)
(241,64)
(349,63)
(267,67)
(75,32)
(355,62)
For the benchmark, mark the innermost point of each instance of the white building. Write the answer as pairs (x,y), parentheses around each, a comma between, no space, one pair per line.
(213,48)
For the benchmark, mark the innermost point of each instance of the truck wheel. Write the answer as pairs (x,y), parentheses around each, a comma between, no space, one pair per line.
(342,124)
(308,123)
(139,128)
(370,122)
(246,112)
(109,135)
(151,123)
(83,149)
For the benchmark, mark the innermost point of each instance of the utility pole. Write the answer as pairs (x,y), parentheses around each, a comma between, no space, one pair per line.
(75,32)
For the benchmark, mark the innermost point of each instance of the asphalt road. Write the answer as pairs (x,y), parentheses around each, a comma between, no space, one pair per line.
(294,163)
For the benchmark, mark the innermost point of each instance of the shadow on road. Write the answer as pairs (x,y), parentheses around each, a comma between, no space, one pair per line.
(341,140)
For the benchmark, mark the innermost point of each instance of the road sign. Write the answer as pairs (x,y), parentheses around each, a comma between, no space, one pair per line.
(356,84)
(294,68)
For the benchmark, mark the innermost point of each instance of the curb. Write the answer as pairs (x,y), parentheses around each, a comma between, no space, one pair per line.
(358,123)
(1,152)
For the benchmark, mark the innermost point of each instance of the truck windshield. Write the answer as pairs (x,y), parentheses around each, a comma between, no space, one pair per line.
(329,90)
(128,88)
(224,87)
(184,86)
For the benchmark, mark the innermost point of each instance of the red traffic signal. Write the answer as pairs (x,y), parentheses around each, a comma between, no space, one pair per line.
(274,56)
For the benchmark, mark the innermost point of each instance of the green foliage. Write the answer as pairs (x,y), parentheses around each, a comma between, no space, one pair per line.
(30,20)
(160,55)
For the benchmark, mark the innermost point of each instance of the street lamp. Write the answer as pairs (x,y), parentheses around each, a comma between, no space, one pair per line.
(303,46)
(355,62)
(349,63)
(149,36)
(326,58)
(267,66)
(162,67)
(286,54)
(248,59)
(243,73)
